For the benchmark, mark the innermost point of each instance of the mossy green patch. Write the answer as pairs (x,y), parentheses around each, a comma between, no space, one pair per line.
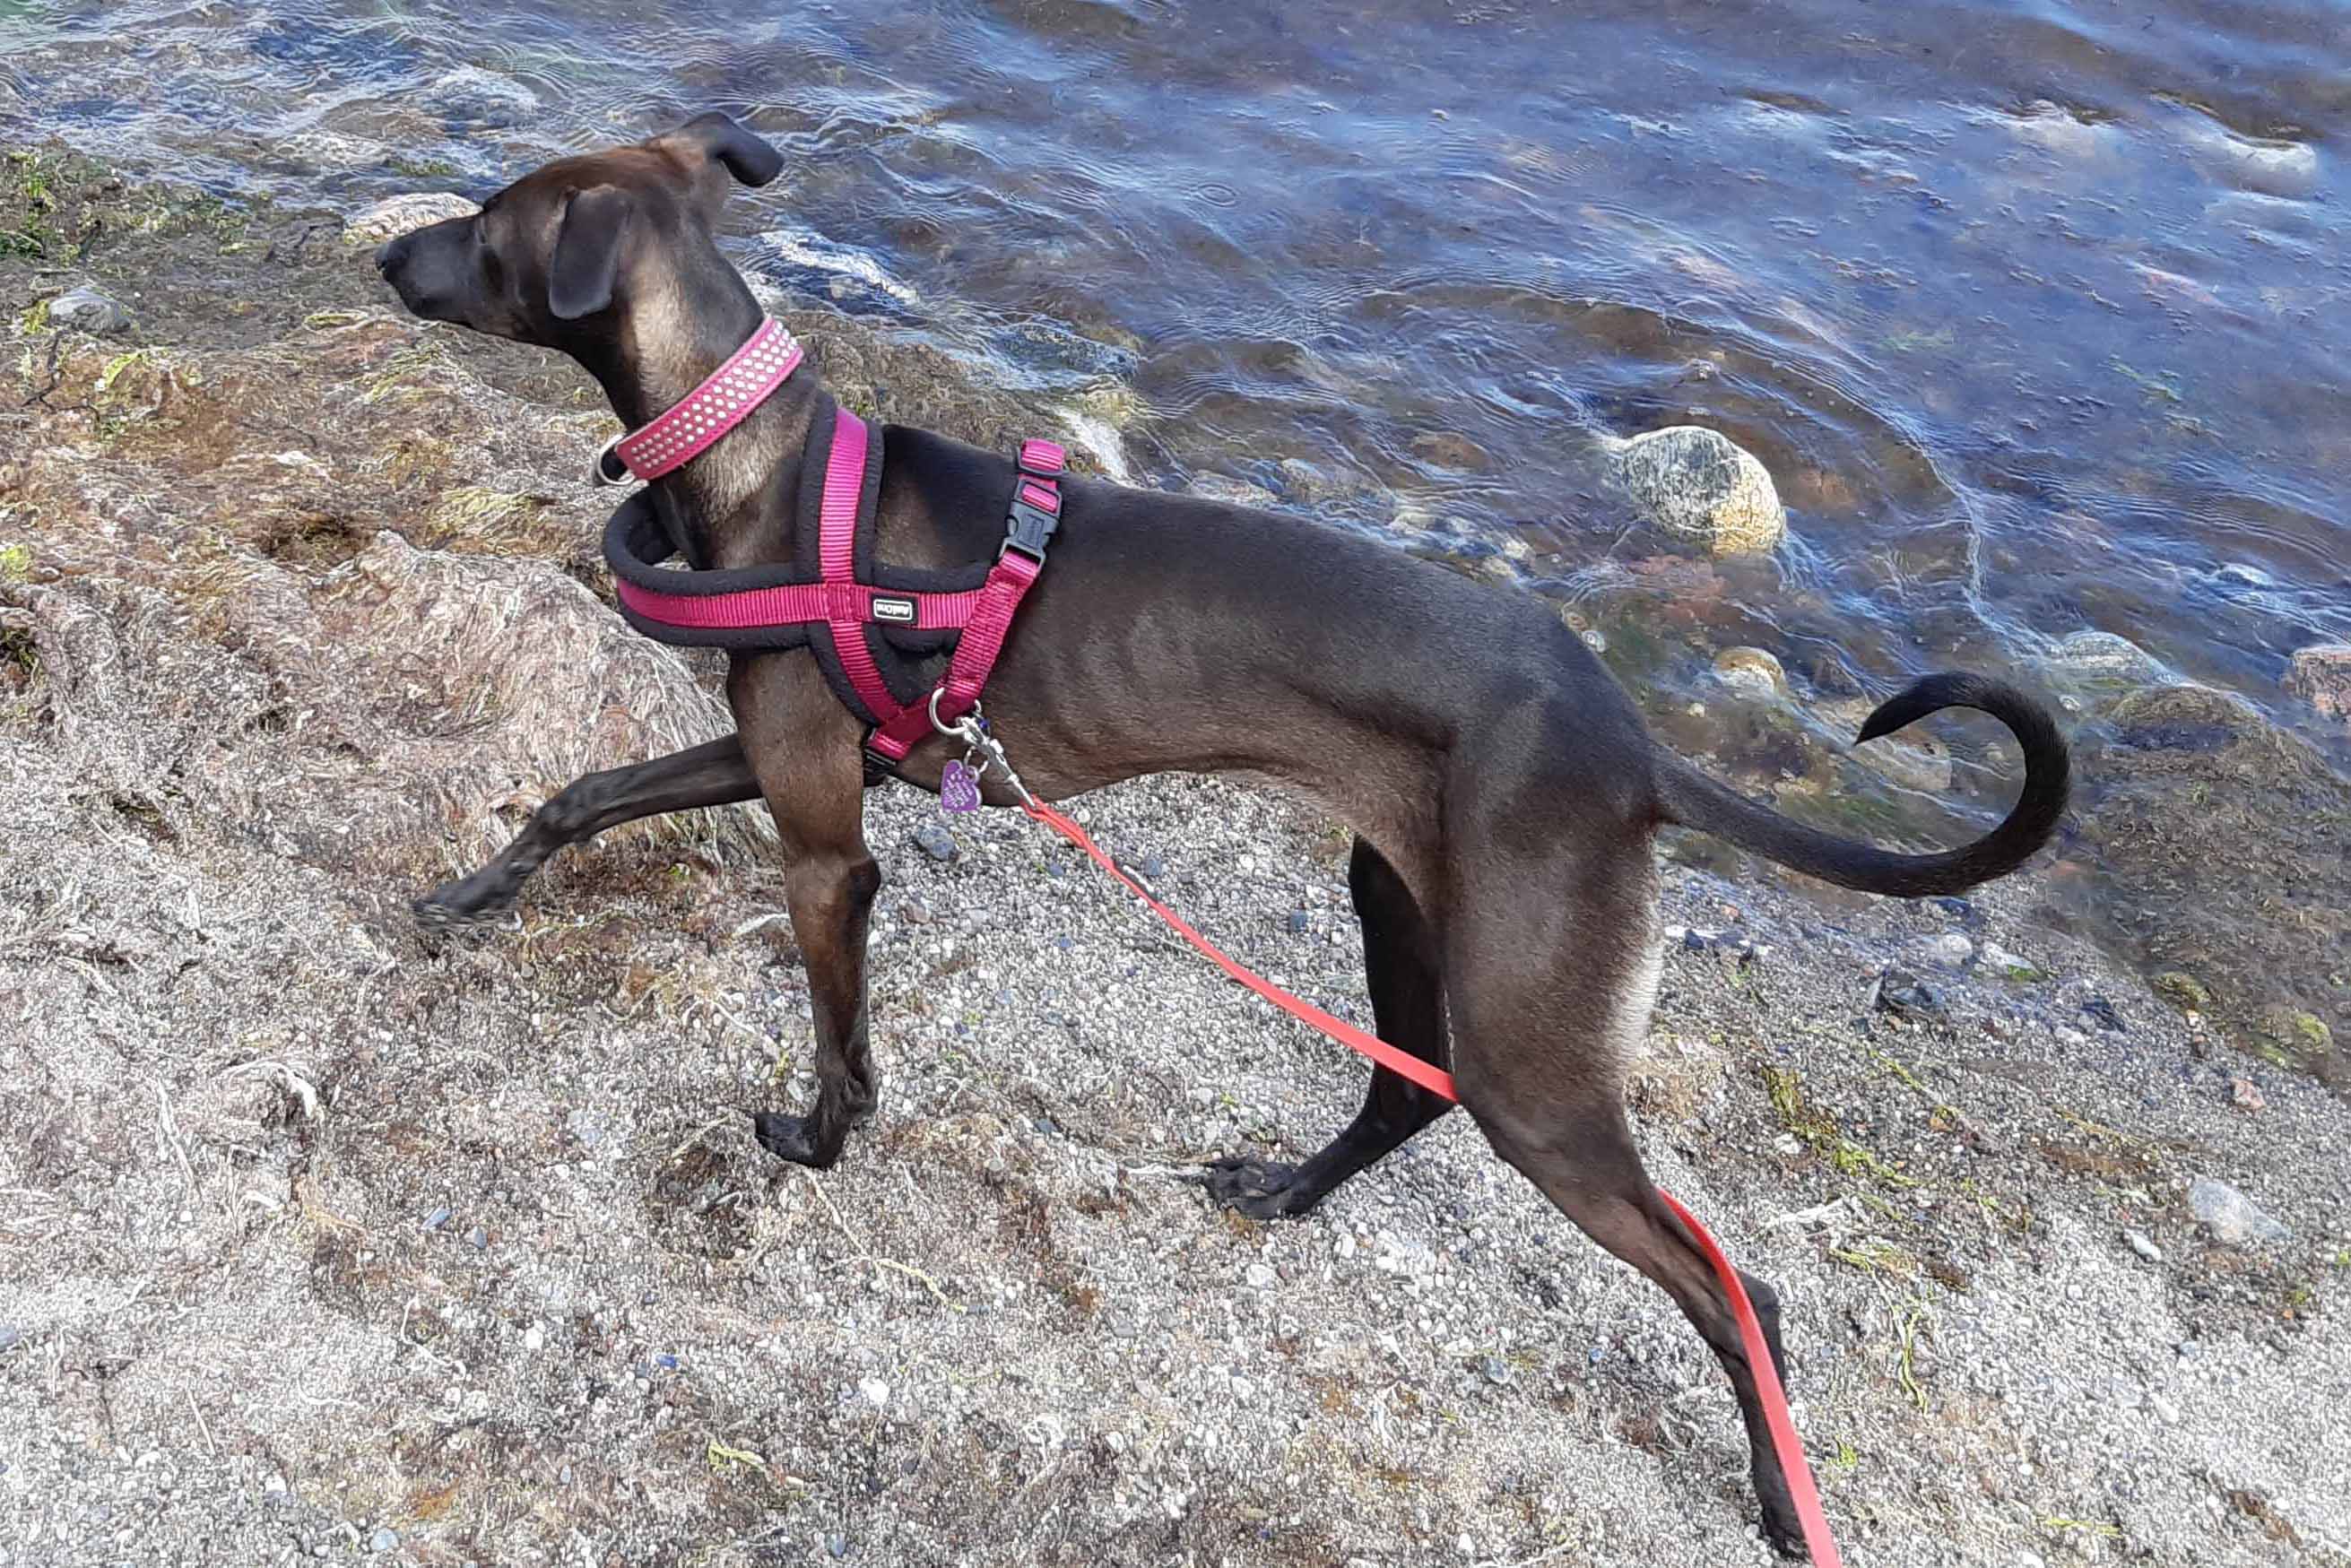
(2295,1032)
(2182,990)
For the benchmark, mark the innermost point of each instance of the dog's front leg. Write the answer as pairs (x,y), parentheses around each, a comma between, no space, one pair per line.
(714,774)
(804,748)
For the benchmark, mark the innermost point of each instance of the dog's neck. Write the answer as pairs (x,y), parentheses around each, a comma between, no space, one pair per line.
(731,506)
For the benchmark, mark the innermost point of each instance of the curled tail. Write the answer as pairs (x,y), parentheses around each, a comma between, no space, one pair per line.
(1690,798)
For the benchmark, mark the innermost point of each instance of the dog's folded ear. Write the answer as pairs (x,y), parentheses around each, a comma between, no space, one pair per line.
(588,252)
(716,136)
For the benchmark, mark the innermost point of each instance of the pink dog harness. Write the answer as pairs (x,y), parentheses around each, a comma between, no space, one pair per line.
(869,628)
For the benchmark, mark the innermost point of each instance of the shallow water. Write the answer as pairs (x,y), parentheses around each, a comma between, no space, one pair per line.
(2038,312)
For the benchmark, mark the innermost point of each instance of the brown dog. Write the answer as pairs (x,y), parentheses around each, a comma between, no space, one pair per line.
(1502,785)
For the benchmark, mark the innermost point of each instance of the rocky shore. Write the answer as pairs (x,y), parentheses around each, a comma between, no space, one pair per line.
(323,1240)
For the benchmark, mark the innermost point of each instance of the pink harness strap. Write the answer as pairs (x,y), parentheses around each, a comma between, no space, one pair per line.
(844,484)
(793,604)
(1036,512)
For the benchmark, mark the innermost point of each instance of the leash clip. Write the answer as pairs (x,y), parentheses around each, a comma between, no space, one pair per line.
(972,730)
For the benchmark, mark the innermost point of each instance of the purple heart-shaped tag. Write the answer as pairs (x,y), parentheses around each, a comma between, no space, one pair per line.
(959,789)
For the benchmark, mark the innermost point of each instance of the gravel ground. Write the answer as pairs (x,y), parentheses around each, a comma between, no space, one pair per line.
(321,1239)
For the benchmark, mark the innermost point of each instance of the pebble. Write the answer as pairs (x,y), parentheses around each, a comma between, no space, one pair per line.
(11,1337)
(2141,1244)
(477,1237)
(85,310)
(1297,920)
(1496,1369)
(436,1220)
(2231,1216)
(2165,1409)
(1950,950)
(836,1544)
(1901,992)
(385,1541)
(2008,965)
(935,841)
(534,1338)
(876,1392)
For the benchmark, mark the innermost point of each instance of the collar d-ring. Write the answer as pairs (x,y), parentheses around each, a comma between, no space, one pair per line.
(609,468)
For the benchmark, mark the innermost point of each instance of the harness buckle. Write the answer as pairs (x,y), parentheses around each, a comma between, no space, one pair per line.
(1029,526)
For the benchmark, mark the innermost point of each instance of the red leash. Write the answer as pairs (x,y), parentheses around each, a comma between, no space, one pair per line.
(1436,1080)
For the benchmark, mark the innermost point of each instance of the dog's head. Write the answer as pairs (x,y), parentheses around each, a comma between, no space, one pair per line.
(560,255)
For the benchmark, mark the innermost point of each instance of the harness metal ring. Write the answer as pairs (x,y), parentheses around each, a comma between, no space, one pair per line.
(965,728)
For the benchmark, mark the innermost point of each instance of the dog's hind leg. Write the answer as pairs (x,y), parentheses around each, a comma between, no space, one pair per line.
(715,774)
(1400,960)
(1552,983)
(805,748)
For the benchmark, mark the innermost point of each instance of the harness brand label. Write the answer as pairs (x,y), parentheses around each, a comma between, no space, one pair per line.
(898,609)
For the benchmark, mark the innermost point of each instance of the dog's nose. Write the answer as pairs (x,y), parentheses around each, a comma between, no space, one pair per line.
(390,254)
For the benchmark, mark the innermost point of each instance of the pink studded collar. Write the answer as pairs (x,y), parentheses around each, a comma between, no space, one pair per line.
(724,400)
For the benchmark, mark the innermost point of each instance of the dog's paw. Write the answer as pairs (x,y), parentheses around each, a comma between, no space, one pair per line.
(1787,1542)
(460,906)
(1258,1188)
(789,1137)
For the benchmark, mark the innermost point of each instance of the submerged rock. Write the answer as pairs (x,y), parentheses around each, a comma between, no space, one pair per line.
(1911,758)
(2184,718)
(2098,662)
(1450,449)
(1751,670)
(1232,492)
(397,215)
(1701,485)
(2321,676)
